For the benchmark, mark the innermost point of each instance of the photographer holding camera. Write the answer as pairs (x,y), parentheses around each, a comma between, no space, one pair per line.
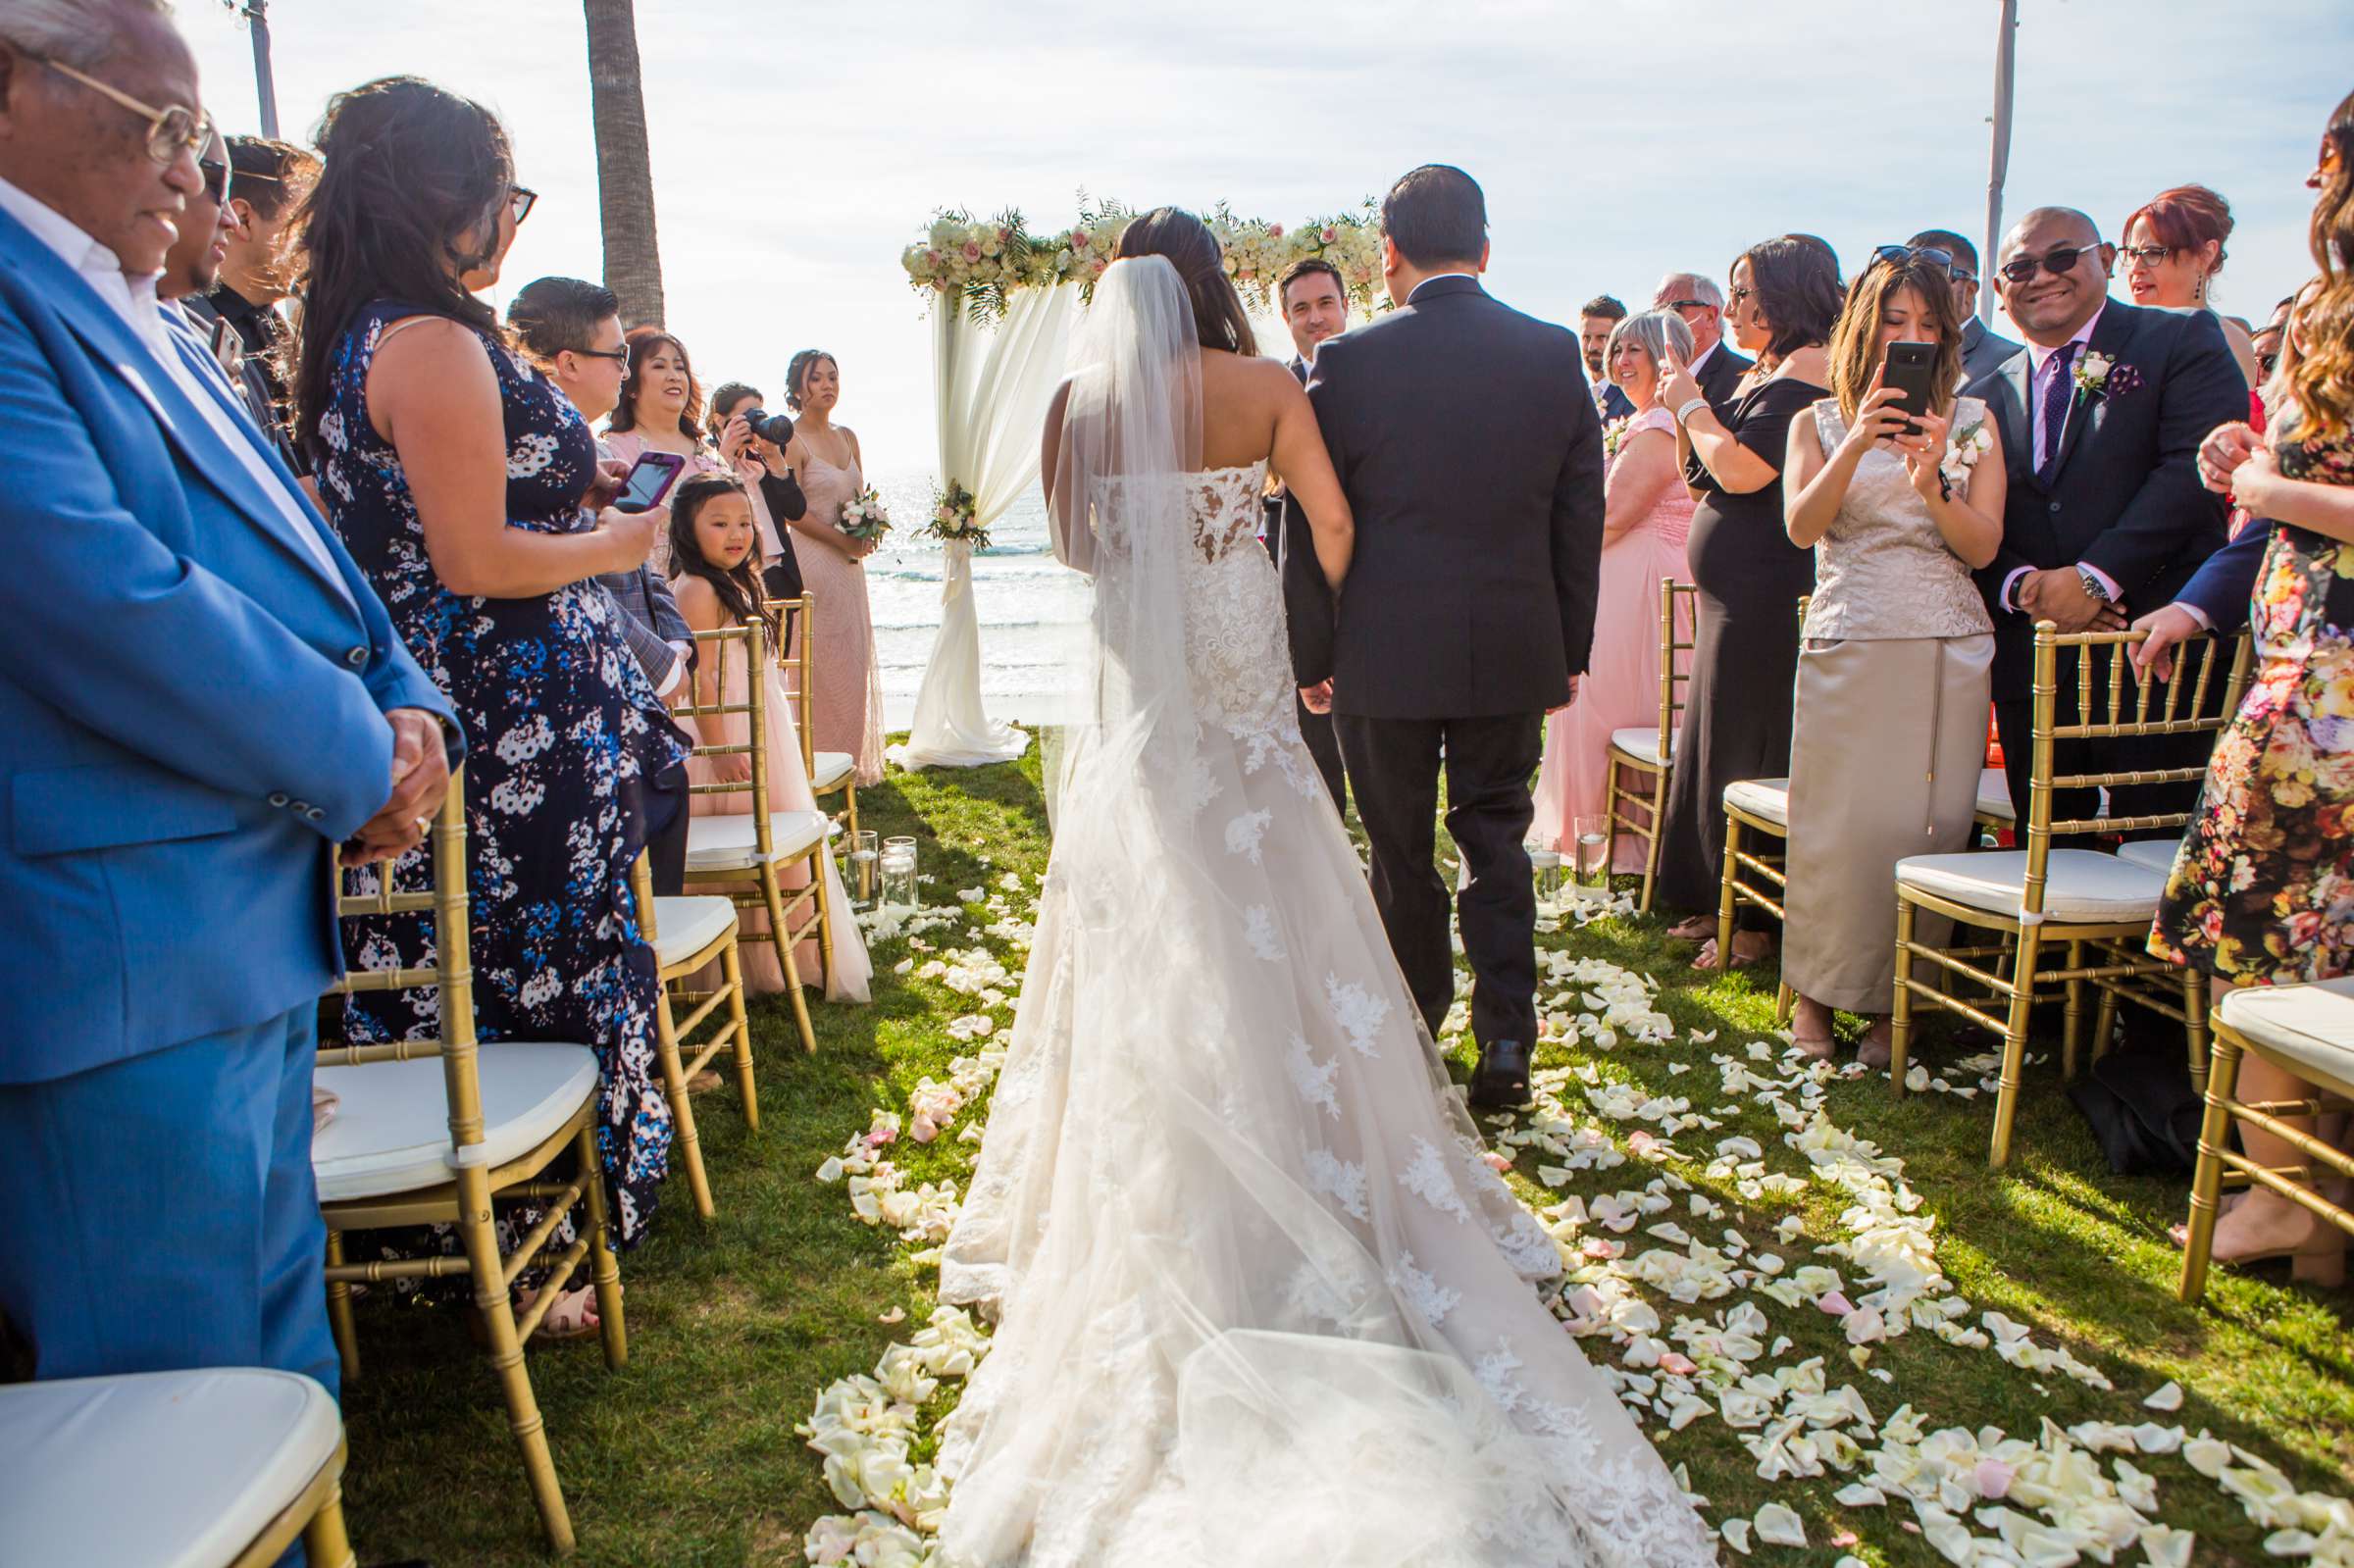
(752,441)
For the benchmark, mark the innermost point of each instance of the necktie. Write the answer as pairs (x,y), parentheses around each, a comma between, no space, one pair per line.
(2058,392)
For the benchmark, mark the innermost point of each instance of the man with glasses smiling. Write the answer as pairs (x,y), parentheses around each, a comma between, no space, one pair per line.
(2101,416)
(203,709)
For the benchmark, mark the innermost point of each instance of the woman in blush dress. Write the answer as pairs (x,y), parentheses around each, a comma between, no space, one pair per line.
(846,704)
(1647,515)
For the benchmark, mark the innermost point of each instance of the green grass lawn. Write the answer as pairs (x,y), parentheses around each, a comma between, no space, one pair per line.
(688,1454)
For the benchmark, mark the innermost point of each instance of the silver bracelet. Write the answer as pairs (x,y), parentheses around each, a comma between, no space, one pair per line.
(1684,414)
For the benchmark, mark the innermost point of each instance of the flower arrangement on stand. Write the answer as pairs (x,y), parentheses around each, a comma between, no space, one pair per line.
(956,518)
(864,517)
(985,262)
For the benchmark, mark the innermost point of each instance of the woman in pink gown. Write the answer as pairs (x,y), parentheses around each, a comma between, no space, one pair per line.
(846,704)
(713,539)
(1647,514)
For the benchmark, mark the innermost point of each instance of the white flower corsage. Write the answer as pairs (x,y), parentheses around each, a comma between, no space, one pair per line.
(1963,452)
(1613,435)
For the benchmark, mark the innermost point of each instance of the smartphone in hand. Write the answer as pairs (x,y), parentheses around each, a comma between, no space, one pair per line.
(649,480)
(1910,368)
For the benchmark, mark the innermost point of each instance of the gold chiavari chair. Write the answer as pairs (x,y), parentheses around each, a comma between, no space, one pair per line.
(2307,1031)
(830,772)
(229,1465)
(1648,753)
(747,852)
(1758,807)
(438,1131)
(2065,901)
(688,934)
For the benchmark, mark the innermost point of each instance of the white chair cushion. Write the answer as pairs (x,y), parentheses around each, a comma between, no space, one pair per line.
(2082,886)
(1994,795)
(163,1469)
(829,770)
(1640,745)
(689,925)
(2309,1027)
(730,844)
(390,1131)
(1768,798)
(2156,854)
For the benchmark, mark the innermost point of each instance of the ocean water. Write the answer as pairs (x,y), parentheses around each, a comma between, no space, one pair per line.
(1029,603)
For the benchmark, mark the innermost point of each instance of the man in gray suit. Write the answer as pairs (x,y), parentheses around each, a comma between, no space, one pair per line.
(572,330)
(1981,350)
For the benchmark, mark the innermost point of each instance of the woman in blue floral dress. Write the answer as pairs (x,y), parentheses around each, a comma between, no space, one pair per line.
(457,477)
(2263,890)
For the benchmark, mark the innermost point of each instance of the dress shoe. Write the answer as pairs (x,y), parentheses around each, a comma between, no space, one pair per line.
(1500,1082)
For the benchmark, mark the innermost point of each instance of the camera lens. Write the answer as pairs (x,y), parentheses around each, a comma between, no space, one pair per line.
(776,428)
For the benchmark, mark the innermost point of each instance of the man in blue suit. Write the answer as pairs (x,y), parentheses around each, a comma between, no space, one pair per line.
(201,705)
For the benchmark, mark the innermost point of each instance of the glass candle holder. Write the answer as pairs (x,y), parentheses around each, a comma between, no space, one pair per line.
(866,849)
(898,878)
(1546,863)
(1591,838)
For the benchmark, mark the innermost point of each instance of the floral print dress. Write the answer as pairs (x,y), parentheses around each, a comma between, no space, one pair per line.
(567,751)
(2262,891)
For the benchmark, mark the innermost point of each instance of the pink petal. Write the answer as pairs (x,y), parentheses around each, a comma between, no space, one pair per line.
(1677,1363)
(1836,1305)
(1994,1479)
(1500,1162)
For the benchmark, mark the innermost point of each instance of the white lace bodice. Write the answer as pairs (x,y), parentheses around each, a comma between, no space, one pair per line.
(1236,645)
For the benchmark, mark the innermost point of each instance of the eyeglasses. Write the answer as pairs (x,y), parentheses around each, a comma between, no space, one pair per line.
(520,202)
(1965,278)
(2059,263)
(619,356)
(172,130)
(2145,255)
(1687,304)
(215,178)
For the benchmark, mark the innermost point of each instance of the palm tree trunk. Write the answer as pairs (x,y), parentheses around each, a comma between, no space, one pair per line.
(625,171)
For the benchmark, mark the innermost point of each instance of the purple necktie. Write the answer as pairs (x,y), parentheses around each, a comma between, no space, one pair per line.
(2057,394)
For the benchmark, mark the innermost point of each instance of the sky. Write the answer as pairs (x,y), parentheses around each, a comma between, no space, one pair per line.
(797,148)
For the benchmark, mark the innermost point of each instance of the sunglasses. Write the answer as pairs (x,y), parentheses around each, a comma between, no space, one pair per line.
(1898,255)
(1741,291)
(2059,263)
(216,179)
(172,130)
(521,200)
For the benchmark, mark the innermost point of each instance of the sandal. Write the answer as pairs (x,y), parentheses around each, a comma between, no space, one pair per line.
(571,1317)
(704,1083)
(1707,957)
(1693,929)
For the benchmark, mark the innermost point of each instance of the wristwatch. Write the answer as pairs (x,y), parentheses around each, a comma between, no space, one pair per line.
(2093,585)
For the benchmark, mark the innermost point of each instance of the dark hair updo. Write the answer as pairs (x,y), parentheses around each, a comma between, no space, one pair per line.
(796,373)
(1219,320)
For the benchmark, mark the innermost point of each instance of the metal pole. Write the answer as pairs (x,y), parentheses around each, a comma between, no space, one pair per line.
(257,21)
(2004,65)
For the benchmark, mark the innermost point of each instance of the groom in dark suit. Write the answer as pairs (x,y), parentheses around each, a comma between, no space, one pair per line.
(2101,416)
(1465,437)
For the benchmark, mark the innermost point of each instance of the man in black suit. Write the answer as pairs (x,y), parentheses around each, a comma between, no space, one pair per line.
(2101,416)
(1597,318)
(1982,352)
(1315,307)
(1465,437)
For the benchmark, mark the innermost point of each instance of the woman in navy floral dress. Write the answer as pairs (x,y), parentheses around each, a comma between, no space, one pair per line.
(457,475)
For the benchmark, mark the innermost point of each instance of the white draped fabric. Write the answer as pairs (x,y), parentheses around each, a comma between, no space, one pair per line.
(993,385)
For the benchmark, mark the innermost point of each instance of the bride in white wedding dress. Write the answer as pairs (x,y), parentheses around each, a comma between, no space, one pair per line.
(1260,1299)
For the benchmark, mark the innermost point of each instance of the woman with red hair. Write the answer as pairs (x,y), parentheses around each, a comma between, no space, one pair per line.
(2173,250)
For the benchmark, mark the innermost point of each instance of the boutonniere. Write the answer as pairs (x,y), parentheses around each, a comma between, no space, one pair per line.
(2098,374)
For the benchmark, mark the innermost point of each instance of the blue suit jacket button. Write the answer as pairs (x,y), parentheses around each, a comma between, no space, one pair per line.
(313,814)
(356,658)
(281,798)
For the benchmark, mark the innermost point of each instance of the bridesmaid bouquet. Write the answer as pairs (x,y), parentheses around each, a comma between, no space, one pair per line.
(864,517)
(956,518)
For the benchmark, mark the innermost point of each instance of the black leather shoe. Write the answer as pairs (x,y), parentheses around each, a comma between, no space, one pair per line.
(1500,1082)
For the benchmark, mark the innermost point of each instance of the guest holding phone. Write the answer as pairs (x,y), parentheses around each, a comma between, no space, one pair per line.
(468,490)
(1899,490)
(1785,296)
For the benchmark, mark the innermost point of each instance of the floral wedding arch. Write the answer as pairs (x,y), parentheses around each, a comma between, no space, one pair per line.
(1003,301)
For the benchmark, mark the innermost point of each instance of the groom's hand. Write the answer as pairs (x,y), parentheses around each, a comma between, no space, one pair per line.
(1318,697)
